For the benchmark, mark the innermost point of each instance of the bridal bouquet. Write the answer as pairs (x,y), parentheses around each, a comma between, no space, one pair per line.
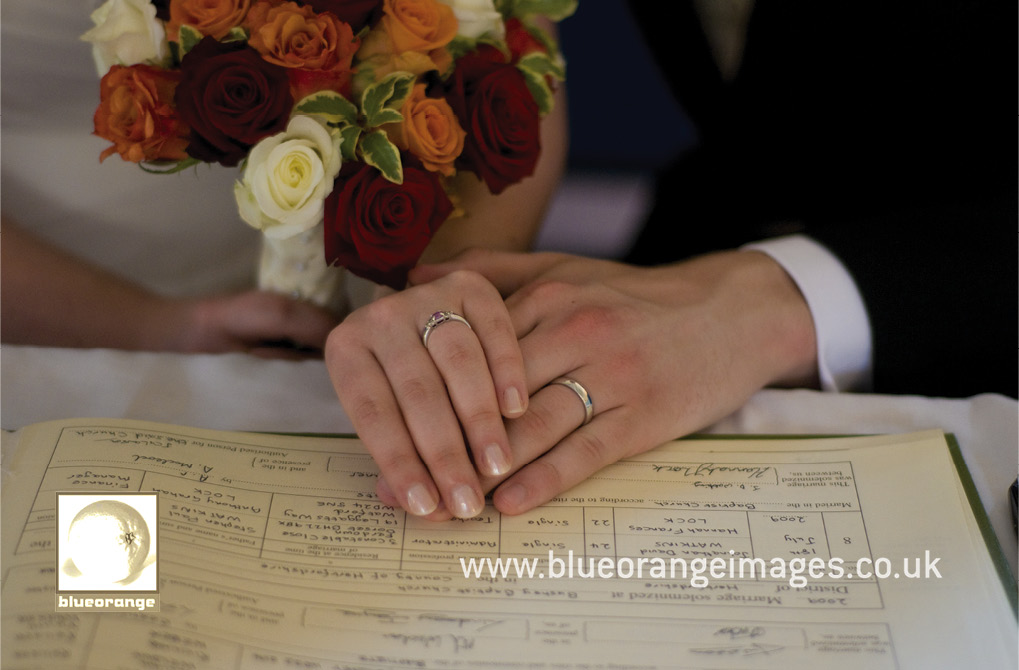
(348,119)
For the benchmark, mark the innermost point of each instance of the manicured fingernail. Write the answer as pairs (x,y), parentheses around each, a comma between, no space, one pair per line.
(495,459)
(419,501)
(514,405)
(466,503)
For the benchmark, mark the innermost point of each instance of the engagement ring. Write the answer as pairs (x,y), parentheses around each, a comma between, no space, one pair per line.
(439,318)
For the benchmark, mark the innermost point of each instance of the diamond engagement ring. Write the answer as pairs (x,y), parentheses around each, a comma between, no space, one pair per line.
(439,318)
(581,392)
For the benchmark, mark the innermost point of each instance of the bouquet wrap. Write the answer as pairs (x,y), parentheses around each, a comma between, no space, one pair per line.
(296,266)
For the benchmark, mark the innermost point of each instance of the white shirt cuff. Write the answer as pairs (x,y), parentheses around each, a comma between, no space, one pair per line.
(840,317)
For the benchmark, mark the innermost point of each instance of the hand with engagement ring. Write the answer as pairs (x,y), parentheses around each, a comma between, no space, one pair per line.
(427,391)
(652,354)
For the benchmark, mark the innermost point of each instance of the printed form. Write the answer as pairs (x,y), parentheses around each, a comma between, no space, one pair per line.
(275,553)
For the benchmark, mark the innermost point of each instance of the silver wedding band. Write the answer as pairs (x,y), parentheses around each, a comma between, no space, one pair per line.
(581,392)
(437,319)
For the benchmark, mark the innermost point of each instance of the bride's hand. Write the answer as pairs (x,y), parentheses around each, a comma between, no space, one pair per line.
(260,323)
(423,412)
(663,352)
(53,298)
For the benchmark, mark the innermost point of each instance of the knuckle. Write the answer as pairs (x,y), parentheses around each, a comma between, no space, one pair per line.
(547,477)
(465,279)
(548,291)
(479,417)
(595,321)
(445,462)
(592,449)
(456,352)
(538,420)
(625,362)
(365,324)
(498,326)
(365,411)
(383,314)
(338,343)
(506,363)
(414,392)
(390,461)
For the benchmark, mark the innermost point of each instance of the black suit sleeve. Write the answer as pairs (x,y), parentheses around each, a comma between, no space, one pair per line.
(887,134)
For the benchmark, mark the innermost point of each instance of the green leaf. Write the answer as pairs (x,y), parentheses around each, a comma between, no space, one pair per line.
(236,34)
(539,88)
(557,10)
(330,105)
(383,155)
(541,64)
(350,135)
(175,54)
(385,116)
(387,94)
(188,38)
(172,168)
(537,68)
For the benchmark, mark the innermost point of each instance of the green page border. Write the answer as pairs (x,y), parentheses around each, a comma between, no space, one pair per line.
(994,548)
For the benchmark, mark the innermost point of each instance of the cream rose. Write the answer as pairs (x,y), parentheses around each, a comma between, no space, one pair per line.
(287,178)
(477,18)
(126,32)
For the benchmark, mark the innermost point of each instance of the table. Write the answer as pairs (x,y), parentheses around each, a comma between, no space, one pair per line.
(240,392)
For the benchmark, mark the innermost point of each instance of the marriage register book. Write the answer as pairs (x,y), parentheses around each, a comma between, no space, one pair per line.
(272,552)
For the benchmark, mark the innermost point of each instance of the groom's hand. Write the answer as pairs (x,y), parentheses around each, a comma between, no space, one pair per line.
(663,352)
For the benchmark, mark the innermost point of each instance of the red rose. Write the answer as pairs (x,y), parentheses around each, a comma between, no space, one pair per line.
(231,97)
(378,229)
(520,40)
(503,124)
(356,13)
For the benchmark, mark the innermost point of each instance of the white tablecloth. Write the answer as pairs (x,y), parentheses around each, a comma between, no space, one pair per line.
(239,392)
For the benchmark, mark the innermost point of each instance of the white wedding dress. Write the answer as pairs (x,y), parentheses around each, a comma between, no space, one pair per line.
(177,234)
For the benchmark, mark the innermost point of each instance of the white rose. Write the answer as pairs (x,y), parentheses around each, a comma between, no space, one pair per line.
(126,32)
(287,178)
(477,17)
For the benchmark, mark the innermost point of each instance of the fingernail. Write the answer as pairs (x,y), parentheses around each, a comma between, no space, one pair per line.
(419,501)
(466,503)
(496,462)
(513,403)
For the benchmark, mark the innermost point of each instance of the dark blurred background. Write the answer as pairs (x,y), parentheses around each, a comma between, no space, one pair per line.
(622,117)
(623,126)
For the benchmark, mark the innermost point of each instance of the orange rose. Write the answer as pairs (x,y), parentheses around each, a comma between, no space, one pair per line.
(214,18)
(410,37)
(316,48)
(418,25)
(430,131)
(376,59)
(135,113)
(296,37)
